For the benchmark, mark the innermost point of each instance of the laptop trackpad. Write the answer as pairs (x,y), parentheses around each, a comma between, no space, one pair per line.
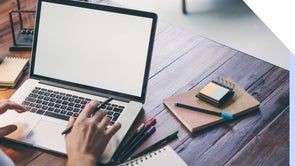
(47,135)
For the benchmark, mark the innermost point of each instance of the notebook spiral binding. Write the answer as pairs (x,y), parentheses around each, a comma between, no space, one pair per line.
(224,83)
(14,57)
(143,158)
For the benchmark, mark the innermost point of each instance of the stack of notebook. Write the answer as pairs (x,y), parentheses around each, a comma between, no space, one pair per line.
(239,104)
(11,69)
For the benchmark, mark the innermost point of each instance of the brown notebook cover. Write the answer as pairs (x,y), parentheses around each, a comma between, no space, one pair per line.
(241,103)
(11,69)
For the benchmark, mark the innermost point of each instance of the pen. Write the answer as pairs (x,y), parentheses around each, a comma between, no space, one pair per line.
(140,130)
(146,135)
(67,130)
(102,104)
(222,114)
(138,134)
(156,145)
(133,137)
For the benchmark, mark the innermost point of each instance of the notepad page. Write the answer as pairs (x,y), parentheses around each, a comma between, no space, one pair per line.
(163,156)
(11,69)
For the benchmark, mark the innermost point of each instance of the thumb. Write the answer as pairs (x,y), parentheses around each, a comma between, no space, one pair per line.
(7,130)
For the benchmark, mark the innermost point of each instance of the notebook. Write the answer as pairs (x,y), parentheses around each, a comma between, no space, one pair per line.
(82,51)
(11,70)
(241,103)
(163,156)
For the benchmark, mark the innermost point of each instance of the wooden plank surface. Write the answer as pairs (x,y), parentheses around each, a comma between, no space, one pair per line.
(260,150)
(231,137)
(181,61)
(20,154)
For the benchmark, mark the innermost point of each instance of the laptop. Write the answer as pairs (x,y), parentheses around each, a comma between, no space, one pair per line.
(83,51)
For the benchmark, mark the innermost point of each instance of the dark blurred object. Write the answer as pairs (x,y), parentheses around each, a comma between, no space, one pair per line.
(184,11)
(1,59)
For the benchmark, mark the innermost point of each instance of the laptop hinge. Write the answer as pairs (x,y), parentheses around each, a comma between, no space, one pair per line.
(82,90)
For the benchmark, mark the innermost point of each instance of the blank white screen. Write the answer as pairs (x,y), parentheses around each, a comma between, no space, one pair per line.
(92,47)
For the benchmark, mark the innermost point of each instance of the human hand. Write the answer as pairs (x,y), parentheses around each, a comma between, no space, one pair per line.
(4,106)
(89,136)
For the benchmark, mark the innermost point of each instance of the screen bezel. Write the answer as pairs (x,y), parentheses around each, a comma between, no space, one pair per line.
(96,90)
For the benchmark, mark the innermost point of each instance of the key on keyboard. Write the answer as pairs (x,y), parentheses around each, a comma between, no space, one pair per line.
(61,105)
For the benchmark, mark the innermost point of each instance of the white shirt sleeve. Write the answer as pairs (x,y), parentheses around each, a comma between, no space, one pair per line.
(5,160)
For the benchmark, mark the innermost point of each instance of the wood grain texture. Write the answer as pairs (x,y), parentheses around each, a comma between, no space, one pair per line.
(5,31)
(230,137)
(271,145)
(48,159)
(182,61)
(20,154)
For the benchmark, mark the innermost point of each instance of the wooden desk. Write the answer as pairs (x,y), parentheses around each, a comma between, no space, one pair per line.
(181,61)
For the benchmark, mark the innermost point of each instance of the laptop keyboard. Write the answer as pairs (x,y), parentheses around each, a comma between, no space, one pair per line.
(62,106)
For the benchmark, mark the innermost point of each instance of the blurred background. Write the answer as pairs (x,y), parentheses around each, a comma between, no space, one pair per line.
(230,22)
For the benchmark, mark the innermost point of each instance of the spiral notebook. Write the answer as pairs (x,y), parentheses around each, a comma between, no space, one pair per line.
(163,156)
(11,69)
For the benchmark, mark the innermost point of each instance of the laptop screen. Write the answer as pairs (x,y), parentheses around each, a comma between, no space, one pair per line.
(108,49)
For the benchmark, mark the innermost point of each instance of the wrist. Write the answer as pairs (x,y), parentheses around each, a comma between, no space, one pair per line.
(86,160)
